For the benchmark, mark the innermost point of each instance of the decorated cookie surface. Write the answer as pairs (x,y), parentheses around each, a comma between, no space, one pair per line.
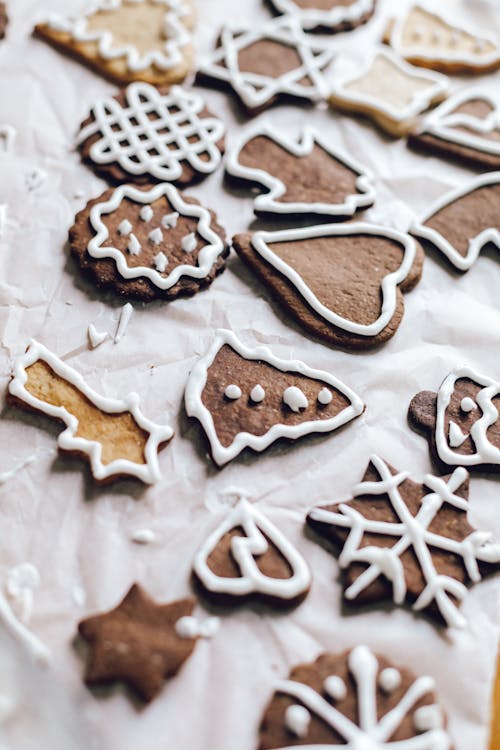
(148,243)
(341,282)
(264,63)
(409,542)
(328,15)
(145,134)
(249,398)
(128,40)
(308,176)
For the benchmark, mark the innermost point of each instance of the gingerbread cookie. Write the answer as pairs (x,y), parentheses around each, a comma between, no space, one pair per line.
(148,243)
(341,282)
(428,39)
(464,222)
(114,436)
(246,557)
(308,176)
(249,398)
(4,20)
(465,128)
(139,643)
(145,134)
(327,15)
(128,40)
(461,419)
(265,63)
(408,542)
(390,92)
(354,700)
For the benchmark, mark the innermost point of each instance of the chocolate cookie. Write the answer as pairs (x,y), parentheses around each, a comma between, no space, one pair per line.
(327,15)
(343,283)
(249,398)
(310,176)
(408,542)
(145,134)
(354,700)
(4,20)
(147,244)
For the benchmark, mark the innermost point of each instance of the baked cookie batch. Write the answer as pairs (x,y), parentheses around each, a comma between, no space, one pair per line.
(339,276)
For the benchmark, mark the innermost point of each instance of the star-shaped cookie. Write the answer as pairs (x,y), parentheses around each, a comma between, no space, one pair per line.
(137,643)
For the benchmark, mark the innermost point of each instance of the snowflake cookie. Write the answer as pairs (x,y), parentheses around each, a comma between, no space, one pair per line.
(147,244)
(328,15)
(408,542)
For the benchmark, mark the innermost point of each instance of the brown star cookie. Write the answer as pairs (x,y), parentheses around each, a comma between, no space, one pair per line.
(148,244)
(331,16)
(137,643)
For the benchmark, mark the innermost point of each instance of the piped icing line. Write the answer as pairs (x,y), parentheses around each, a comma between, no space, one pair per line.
(169,57)
(95,337)
(476,244)
(371,732)
(68,440)
(196,408)
(301,148)
(33,645)
(255,89)
(207,255)
(193,136)
(262,241)
(444,122)
(259,533)
(312,18)
(123,322)
(486,452)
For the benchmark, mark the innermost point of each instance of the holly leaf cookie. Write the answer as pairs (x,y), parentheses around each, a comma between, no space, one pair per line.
(327,15)
(308,176)
(341,282)
(113,435)
(145,134)
(4,20)
(354,700)
(464,222)
(128,40)
(265,63)
(408,542)
(139,643)
(461,420)
(249,398)
(147,244)
(248,556)
(390,92)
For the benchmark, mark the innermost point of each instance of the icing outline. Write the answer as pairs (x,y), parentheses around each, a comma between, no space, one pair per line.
(313,18)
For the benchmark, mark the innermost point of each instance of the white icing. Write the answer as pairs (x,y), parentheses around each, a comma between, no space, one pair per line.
(297,721)
(206,258)
(233,392)
(146,213)
(189,243)
(257,90)
(168,57)
(143,536)
(369,732)
(134,246)
(467,405)
(176,135)
(476,244)
(170,220)
(270,202)
(123,322)
(69,439)
(196,408)
(456,436)
(6,476)
(263,241)
(156,236)
(96,338)
(257,394)
(259,532)
(325,397)
(428,718)
(161,262)
(312,18)
(125,228)
(34,646)
(22,582)
(389,680)
(295,399)
(412,533)
(335,687)
(191,627)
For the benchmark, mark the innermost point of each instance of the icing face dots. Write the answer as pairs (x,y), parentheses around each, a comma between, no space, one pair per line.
(325,397)
(189,243)
(456,436)
(170,221)
(233,392)
(156,236)
(125,228)
(161,262)
(257,394)
(389,680)
(146,213)
(295,399)
(428,718)
(467,405)
(134,246)
(335,687)
(297,721)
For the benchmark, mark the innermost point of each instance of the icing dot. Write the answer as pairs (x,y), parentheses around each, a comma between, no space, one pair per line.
(467,405)
(134,246)
(295,399)
(427,718)
(325,397)
(233,392)
(297,720)
(170,220)
(187,627)
(161,262)
(156,236)
(146,213)
(335,687)
(143,536)
(258,394)
(456,436)
(389,680)
(189,243)
(125,228)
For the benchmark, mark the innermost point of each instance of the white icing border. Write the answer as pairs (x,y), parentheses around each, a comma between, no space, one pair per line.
(313,18)
(148,473)
(300,148)
(207,256)
(165,60)
(476,244)
(245,549)
(390,283)
(438,86)
(196,408)
(256,90)
(416,53)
